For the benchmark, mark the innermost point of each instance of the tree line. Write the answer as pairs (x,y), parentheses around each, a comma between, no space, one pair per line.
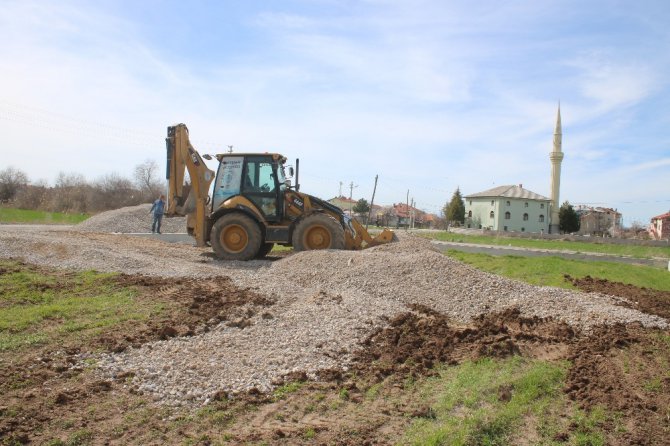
(72,193)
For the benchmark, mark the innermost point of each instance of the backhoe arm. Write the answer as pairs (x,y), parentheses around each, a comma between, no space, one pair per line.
(182,156)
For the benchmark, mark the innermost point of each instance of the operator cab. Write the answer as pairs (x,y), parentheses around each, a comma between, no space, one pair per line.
(258,177)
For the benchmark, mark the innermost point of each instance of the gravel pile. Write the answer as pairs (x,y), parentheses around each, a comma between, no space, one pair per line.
(326,303)
(130,219)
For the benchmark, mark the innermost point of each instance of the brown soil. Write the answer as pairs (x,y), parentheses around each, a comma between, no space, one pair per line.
(643,299)
(624,369)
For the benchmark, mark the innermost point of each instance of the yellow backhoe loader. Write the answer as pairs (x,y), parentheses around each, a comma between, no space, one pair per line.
(253,206)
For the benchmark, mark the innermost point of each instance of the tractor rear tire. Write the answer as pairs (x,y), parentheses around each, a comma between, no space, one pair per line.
(318,231)
(265,250)
(236,237)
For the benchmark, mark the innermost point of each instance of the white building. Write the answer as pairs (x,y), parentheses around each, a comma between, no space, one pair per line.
(508,208)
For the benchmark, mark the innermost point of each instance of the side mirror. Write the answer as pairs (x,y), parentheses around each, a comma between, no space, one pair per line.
(287,183)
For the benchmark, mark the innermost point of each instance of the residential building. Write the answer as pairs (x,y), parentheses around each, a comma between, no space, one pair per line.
(659,228)
(598,221)
(344,203)
(508,208)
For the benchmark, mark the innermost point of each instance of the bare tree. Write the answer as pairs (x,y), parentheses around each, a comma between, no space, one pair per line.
(11,180)
(71,194)
(147,178)
(33,196)
(113,191)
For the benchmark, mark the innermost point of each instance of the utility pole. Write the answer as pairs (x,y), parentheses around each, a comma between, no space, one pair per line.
(407,209)
(351,193)
(340,194)
(372,202)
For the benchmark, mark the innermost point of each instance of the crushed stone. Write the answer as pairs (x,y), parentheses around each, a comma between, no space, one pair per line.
(128,220)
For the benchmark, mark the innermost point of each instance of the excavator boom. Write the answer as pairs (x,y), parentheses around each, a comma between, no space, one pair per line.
(182,200)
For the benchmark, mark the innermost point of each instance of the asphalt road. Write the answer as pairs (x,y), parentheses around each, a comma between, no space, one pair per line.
(496,250)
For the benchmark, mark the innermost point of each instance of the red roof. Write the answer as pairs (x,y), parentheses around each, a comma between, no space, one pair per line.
(662,216)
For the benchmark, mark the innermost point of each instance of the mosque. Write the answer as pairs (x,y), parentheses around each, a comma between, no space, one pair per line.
(513,208)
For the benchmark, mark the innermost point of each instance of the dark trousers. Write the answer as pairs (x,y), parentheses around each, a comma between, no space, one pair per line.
(156,226)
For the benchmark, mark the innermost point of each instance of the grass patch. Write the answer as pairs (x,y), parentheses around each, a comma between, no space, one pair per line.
(550,270)
(38,307)
(490,402)
(603,248)
(12,215)
(281,392)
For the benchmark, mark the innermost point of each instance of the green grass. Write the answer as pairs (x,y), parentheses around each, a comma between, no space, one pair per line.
(11,215)
(37,307)
(602,248)
(281,392)
(550,270)
(488,402)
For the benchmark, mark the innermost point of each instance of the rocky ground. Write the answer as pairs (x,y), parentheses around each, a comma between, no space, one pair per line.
(308,313)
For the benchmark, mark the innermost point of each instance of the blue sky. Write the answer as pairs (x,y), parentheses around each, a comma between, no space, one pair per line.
(429,95)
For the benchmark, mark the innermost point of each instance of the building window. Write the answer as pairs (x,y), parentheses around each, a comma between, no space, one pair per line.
(525,204)
(505,228)
(508,215)
(523,229)
(470,214)
(491,202)
(541,205)
(525,217)
(508,203)
(491,214)
(541,218)
(470,202)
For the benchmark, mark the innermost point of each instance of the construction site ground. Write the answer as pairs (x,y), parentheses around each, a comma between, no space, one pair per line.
(373,377)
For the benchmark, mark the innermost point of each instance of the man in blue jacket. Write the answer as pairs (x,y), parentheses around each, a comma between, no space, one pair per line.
(158,209)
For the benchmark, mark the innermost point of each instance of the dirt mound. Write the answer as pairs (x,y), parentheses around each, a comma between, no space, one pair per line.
(414,342)
(643,299)
(625,370)
(130,219)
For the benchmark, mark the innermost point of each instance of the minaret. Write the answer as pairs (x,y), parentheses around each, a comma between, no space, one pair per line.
(556,156)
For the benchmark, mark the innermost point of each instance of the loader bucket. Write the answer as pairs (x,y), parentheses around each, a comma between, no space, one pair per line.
(386,236)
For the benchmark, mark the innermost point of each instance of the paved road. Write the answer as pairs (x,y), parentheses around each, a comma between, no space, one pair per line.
(497,250)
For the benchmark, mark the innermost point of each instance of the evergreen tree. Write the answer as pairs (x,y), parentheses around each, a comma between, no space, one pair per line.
(568,220)
(454,211)
(362,207)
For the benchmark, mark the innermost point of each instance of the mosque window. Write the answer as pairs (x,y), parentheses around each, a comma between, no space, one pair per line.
(541,218)
(508,215)
(491,202)
(470,214)
(505,228)
(508,203)
(525,204)
(492,215)
(541,205)
(525,217)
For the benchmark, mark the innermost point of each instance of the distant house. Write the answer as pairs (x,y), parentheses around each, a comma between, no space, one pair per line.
(343,203)
(659,228)
(598,220)
(401,216)
(508,208)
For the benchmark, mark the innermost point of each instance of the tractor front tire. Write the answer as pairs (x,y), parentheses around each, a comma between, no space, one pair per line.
(236,237)
(318,231)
